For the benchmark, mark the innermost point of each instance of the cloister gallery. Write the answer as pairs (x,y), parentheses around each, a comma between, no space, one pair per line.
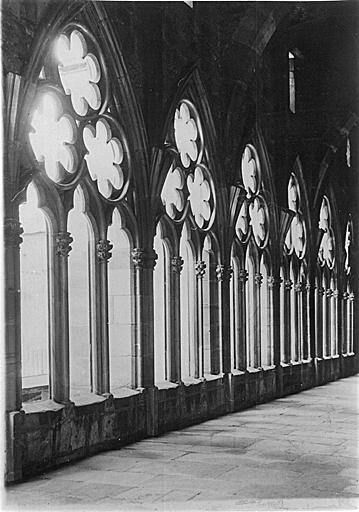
(181,214)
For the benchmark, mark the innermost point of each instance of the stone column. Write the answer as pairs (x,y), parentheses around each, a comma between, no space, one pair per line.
(335,321)
(258,278)
(101,370)
(174,346)
(312,318)
(351,299)
(224,274)
(60,365)
(306,320)
(298,288)
(13,378)
(199,348)
(288,284)
(241,348)
(345,344)
(329,298)
(144,261)
(320,321)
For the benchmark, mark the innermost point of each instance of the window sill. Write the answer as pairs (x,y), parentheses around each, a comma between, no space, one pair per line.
(87,399)
(268,367)
(296,363)
(126,392)
(285,365)
(211,376)
(191,380)
(253,370)
(42,406)
(166,385)
(349,354)
(235,371)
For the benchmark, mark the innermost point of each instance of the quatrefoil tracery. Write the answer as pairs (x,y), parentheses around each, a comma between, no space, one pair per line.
(253,215)
(326,253)
(61,121)
(296,239)
(188,184)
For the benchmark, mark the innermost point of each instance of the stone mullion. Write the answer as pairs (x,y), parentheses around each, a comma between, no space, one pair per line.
(224,274)
(214,314)
(102,361)
(258,278)
(13,381)
(144,263)
(299,321)
(328,298)
(242,341)
(337,320)
(351,323)
(199,345)
(288,284)
(320,322)
(174,346)
(60,354)
(344,343)
(306,321)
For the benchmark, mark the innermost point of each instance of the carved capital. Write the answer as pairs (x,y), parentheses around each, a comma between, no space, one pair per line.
(224,272)
(12,233)
(200,269)
(272,282)
(329,294)
(336,294)
(177,264)
(243,276)
(63,241)
(299,287)
(103,250)
(321,291)
(351,297)
(258,279)
(288,283)
(345,296)
(144,258)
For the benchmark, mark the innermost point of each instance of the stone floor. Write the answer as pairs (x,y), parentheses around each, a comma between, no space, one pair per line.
(298,452)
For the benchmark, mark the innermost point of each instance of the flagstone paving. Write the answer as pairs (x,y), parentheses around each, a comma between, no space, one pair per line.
(296,453)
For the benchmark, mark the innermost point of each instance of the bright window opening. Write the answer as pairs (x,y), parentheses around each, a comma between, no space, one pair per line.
(34,300)
(80,266)
(187,284)
(160,306)
(250,316)
(120,306)
(291,82)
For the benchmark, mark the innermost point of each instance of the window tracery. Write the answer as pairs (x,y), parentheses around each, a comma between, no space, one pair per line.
(253,215)
(69,132)
(294,295)
(296,239)
(188,185)
(326,254)
(79,72)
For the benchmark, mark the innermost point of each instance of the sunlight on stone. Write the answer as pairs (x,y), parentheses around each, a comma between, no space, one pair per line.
(53,137)
(79,72)
(104,156)
(200,193)
(172,193)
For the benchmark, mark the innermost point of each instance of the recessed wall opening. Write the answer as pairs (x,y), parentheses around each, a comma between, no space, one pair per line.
(34,264)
